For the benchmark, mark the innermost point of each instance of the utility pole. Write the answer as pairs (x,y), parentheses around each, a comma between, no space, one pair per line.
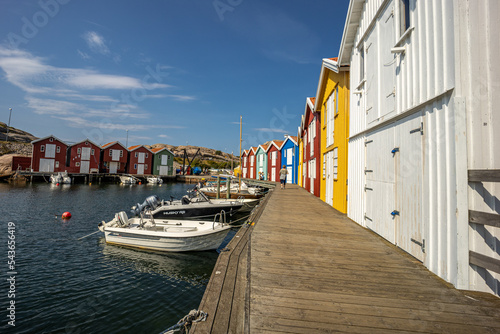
(8,125)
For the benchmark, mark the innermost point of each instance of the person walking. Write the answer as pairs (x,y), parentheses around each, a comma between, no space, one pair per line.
(283,174)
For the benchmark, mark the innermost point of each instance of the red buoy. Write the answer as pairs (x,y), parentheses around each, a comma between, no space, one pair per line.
(66,215)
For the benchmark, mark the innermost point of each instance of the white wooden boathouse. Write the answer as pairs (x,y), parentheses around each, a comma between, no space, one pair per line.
(425,131)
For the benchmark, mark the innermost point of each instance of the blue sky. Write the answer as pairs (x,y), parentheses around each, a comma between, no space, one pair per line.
(168,71)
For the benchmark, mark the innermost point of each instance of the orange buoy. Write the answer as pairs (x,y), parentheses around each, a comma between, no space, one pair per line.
(57,184)
(66,215)
(139,182)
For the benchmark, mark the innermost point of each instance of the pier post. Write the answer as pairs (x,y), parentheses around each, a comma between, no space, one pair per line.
(228,188)
(218,187)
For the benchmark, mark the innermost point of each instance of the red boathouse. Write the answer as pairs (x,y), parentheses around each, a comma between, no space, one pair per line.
(49,155)
(114,157)
(84,157)
(140,160)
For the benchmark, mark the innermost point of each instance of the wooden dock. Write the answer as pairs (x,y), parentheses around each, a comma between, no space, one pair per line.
(306,268)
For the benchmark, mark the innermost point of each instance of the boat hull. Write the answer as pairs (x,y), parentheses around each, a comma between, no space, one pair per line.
(182,242)
(195,211)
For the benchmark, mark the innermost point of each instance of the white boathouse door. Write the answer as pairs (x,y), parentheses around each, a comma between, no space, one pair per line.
(85,160)
(113,167)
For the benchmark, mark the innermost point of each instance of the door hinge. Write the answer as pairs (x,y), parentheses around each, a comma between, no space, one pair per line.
(420,129)
(421,244)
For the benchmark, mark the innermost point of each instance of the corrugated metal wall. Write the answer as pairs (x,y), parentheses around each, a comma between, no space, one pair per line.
(479,85)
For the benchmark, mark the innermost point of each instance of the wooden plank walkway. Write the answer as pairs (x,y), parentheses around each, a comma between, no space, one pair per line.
(306,268)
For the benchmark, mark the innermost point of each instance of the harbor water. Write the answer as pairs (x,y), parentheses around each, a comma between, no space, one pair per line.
(59,284)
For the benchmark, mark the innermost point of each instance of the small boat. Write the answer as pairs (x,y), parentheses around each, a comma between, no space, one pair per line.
(154,180)
(164,235)
(193,206)
(61,178)
(127,179)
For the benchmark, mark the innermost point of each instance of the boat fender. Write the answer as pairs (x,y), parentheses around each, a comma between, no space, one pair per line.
(66,215)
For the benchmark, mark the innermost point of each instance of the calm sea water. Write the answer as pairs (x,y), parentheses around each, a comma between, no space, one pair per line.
(65,285)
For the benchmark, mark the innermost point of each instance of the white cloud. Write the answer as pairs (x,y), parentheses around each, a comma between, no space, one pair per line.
(96,42)
(83,55)
(163,136)
(271,130)
(182,97)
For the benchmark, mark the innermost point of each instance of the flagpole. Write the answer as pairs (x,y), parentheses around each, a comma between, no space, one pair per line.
(241,165)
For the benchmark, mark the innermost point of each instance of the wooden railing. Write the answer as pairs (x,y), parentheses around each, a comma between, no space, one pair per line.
(484,218)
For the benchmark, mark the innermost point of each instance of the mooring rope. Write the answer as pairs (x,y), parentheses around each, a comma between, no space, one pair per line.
(184,325)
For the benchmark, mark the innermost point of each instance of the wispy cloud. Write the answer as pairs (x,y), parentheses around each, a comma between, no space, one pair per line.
(182,97)
(83,55)
(96,42)
(271,130)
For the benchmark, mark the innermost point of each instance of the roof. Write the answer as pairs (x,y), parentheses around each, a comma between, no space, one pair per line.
(353,18)
(112,143)
(40,139)
(245,152)
(252,149)
(86,140)
(291,138)
(263,147)
(328,64)
(159,149)
(275,143)
(135,147)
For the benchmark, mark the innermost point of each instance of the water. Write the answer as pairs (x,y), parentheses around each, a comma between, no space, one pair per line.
(65,285)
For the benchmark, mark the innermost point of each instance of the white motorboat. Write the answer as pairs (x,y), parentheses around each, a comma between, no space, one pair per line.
(127,179)
(164,235)
(154,180)
(61,178)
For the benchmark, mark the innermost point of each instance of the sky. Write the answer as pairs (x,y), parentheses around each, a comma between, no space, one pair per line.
(178,72)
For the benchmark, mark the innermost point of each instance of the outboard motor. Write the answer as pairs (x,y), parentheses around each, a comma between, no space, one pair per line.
(185,200)
(151,202)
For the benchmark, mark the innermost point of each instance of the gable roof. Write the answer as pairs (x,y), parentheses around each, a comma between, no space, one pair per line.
(328,64)
(252,149)
(293,139)
(245,152)
(263,147)
(112,143)
(135,147)
(40,139)
(159,149)
(275,143)
(352,21)
(86,140)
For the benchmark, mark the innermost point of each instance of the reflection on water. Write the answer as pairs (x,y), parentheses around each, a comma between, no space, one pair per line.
(66,285)
(189,267)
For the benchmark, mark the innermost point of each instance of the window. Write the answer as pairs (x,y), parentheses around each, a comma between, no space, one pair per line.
(330,105)
(118,166)
(42,148)
(146,155)
(77,164)
(79,150)
(92,152)
(324,166)
(146,166)
(135,166)
(51,139)
(337,100)
(110,153)
(404,15)
(136,154)
(121,153)
(58,149)
(335,162)
(361,63)
(57,164)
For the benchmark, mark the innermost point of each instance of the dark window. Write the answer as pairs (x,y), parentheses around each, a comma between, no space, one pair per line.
(404,12)
(361,63)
